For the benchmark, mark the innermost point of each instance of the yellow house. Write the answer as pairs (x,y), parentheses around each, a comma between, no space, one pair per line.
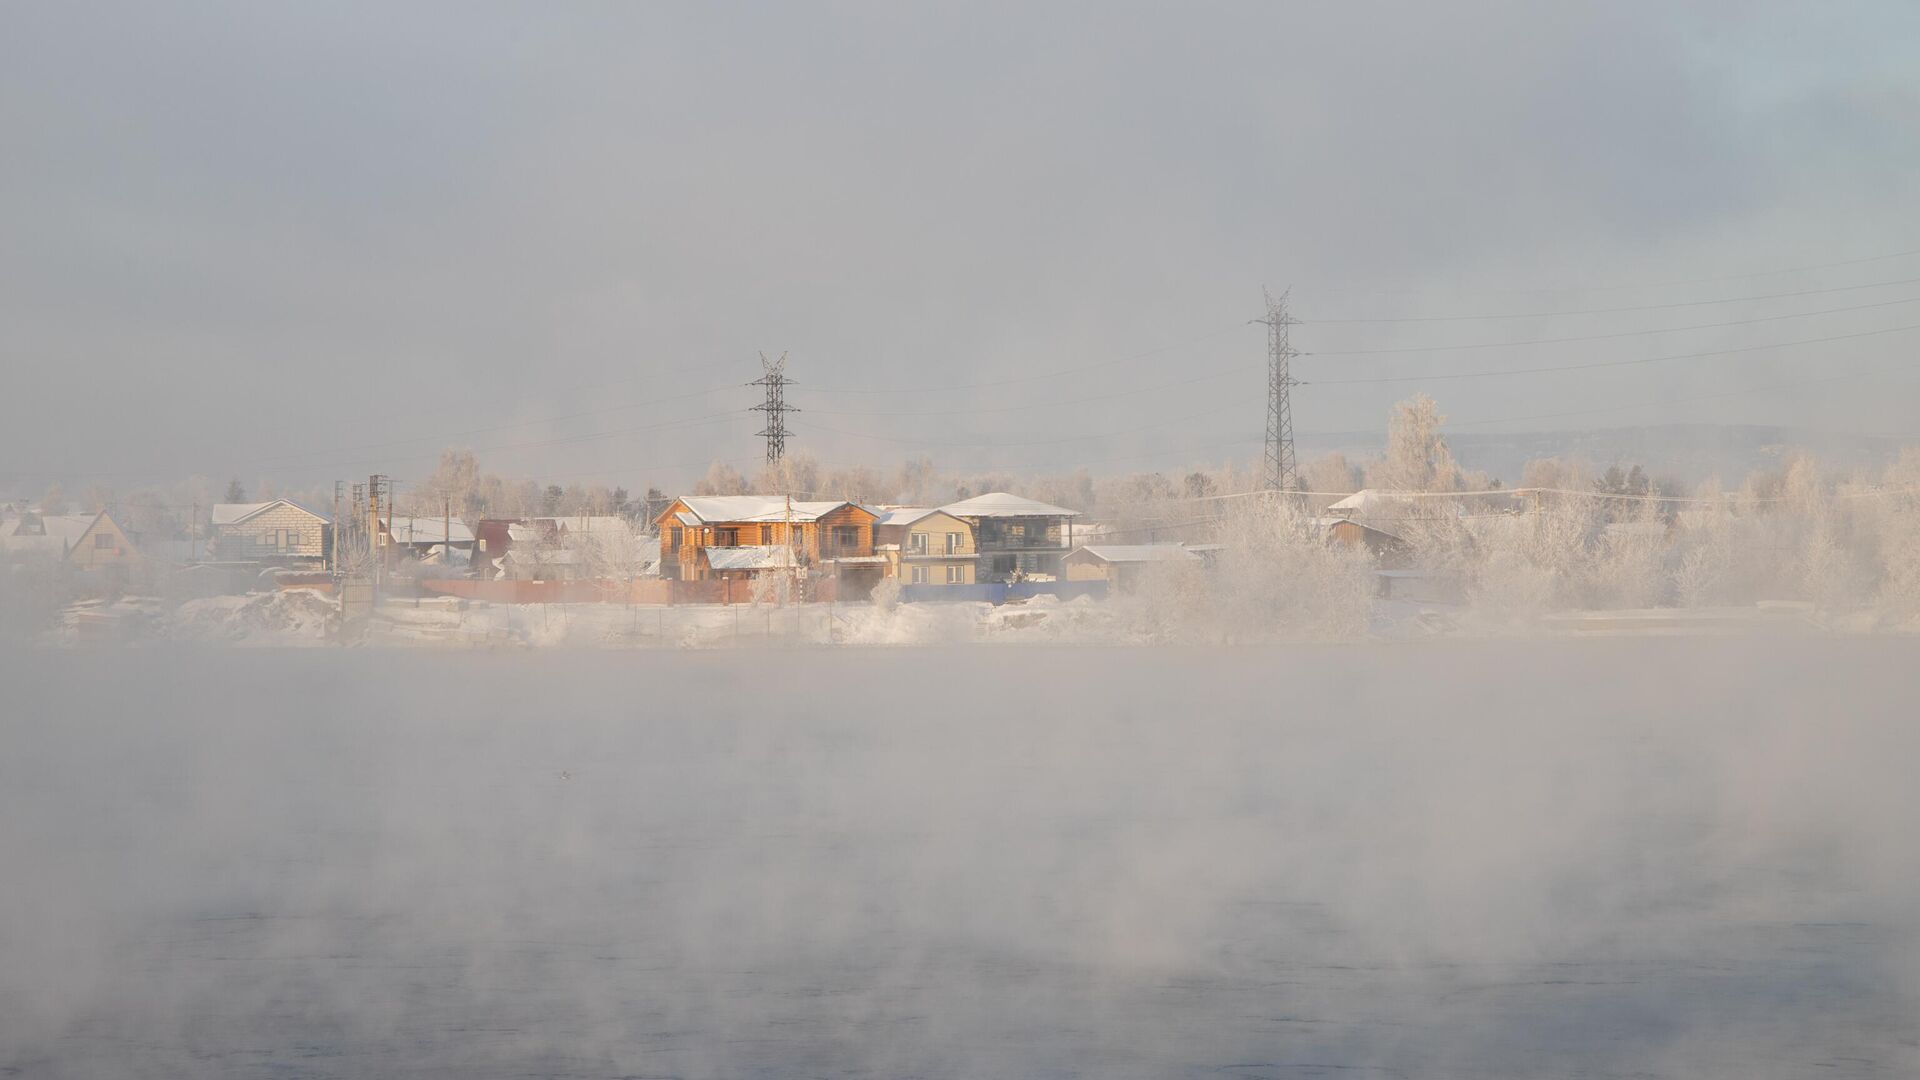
(84,541)
(926,547)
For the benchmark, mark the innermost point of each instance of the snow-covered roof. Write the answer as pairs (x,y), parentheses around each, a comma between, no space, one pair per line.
(903,515)
(1325,523)
(591,523)
(33,545)
(859,560)
(1001,504)
(547,557)
(235,513)
(757,508)
(753,557)
(69,528)
(1139,553)
(1359,501)
(687,519)
(406,529)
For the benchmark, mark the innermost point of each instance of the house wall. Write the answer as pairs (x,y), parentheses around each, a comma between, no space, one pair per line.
(1033,545)
(88,554)
(254,537)
(818,539)
(812,538)
(1088,569)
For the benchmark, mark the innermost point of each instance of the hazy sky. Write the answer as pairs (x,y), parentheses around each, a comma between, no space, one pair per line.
(309,243)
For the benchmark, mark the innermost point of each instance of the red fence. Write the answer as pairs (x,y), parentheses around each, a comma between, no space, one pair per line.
(595,592)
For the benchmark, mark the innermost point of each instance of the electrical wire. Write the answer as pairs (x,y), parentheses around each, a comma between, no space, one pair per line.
(1611,336)
(1613,363)
(1615,310)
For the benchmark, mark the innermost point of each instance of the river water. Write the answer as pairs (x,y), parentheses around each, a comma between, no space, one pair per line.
(1633,858)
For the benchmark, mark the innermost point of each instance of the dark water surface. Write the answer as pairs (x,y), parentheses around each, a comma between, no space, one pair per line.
(1638,858)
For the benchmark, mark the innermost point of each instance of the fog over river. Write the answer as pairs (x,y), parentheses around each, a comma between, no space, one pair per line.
(1580,859)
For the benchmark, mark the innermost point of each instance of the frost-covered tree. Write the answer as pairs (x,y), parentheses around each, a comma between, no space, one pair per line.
(794,474)
(721,479)
(454,482)
(1417,456)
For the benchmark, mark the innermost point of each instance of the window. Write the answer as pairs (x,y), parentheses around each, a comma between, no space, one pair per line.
(919,575)
(766,534)
(917,543)
(675,535)
(726,538)
(846,538)
(953,574)
(953,543)
(102,541)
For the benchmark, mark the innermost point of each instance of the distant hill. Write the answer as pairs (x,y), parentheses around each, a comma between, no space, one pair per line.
(1688,453)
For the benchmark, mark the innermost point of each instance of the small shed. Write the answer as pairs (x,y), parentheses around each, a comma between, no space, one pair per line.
(1390,550)
(746,563)
(1123,566)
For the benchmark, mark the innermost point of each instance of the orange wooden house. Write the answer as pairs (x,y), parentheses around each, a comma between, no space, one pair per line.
(708,536)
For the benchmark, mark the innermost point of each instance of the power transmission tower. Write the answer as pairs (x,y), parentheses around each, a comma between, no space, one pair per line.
(1282,472)
(776,407)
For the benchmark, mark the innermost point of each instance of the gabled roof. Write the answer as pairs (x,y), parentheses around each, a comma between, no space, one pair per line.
(406,529)
(69,528)
(235,513)
(1001,504)
(903,515)
(1327,524)
(1359,501)
(1137,553)
(754,557)
(590,523)
(767,509)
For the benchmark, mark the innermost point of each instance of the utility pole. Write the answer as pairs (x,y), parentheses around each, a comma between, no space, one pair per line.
(794,580)
(775,406)
(333,540)
(1281,472)
(377,485)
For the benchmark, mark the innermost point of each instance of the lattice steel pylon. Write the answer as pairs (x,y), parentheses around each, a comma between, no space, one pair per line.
(776,407)
(1282,471)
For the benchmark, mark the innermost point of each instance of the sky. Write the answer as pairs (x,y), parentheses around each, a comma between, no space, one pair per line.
(316,242)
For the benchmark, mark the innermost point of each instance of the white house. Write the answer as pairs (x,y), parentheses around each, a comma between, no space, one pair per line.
(279,530)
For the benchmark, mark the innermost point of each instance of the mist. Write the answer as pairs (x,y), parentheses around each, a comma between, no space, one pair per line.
(1685,858)
(1217,540)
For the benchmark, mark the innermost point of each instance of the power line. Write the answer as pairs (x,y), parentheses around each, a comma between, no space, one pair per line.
(1616,363)
(497,427)
(1614,336)
(916,441)
(775,406)
(1094,366)
(535,444)
(1641,285)
(1663,401)
(1281,472)
(1617,310)
(1237,369)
